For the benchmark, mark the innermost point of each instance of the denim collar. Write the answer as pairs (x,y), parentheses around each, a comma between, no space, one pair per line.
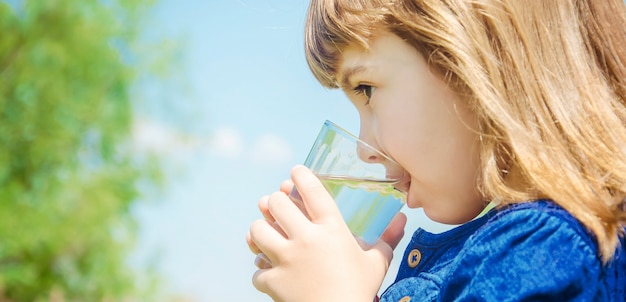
(436,249)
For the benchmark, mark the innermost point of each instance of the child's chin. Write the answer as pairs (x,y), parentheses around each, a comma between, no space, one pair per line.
(413,203)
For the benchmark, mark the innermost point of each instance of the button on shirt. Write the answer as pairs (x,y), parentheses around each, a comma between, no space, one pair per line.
(533,251)
(414,258)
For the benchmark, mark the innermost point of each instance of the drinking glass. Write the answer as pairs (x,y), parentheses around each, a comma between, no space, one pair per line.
(362,180)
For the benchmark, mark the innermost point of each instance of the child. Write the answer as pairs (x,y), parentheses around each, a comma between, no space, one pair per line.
(521,103)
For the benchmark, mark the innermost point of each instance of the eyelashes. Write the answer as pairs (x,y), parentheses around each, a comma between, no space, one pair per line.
(365,90)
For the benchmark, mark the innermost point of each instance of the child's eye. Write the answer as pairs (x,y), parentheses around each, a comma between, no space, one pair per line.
(366,90)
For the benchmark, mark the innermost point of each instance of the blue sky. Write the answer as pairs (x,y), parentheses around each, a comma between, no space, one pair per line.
(243,110)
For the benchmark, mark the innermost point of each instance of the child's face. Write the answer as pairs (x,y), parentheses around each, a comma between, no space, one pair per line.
(415,118)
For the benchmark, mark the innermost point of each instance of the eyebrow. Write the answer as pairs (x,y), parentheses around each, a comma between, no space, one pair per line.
(344,81)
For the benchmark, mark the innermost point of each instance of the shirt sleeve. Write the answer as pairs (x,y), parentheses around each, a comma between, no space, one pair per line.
(526,255)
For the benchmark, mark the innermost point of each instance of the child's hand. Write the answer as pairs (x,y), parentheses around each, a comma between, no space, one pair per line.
(317,259)
(261,260)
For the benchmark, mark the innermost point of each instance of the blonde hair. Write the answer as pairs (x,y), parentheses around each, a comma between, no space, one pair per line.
(547,80)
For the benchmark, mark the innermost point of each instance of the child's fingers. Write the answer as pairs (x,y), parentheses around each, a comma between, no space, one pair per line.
(288,217)
(266,239)
(318,203)
(264,210)
(263,206)
(261,261)
(262,280)
(251,245)
(286,186)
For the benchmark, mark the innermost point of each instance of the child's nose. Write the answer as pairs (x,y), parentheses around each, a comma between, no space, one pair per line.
(366,150)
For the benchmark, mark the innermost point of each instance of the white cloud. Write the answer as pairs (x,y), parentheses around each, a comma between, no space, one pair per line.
(160,138)
(272,149)
(224,142)
(227,142)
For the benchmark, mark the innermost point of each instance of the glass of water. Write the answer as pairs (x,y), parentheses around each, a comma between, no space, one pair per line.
(362,180)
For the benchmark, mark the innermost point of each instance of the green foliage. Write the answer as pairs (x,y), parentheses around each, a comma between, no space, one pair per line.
(67,177)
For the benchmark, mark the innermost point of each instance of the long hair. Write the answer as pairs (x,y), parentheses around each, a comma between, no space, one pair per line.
(547,80)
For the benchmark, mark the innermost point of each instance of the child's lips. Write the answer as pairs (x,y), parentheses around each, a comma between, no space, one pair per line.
(403,185)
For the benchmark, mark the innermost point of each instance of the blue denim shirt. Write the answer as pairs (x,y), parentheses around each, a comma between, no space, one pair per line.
(532,251)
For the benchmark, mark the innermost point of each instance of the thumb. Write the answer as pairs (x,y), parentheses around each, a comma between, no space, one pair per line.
(317,201)
(389,240)
(395,231)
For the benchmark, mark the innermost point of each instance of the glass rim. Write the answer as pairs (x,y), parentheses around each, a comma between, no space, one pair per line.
(360,141)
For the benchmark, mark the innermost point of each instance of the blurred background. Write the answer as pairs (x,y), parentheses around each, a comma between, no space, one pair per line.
(137,137)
